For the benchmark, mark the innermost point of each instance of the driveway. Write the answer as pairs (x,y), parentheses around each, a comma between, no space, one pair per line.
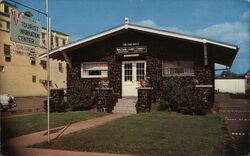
(236,113)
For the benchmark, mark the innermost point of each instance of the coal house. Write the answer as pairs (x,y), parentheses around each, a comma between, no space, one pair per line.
(133,62)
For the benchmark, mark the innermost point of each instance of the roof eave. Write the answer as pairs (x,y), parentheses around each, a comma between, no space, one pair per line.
(146,29)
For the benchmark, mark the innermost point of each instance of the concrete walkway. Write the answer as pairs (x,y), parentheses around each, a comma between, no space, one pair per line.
(19,145)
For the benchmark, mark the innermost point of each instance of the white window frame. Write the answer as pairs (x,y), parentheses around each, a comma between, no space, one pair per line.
(178,74)
(85,74)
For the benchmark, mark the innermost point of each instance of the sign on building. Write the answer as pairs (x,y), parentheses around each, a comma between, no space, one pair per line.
(25,50)
(131,50)
(24,29)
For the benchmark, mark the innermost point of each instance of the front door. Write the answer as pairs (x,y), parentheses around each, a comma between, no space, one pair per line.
(132,73)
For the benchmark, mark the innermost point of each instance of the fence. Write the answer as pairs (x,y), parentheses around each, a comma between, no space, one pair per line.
(230,85)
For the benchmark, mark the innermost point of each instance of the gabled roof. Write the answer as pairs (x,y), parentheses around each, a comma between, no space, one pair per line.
(143,29)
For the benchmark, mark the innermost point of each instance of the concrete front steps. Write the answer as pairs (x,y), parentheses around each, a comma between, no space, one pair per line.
(126,105)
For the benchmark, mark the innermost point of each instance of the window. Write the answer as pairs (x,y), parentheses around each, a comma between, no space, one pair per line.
(8,25)
(51,40)
(43,38)
(64,42)
(94,70)
(43,63)
(57,41)
(7,53)
(32,57)
(1,68)
(128,72)
(60,67)
(33,60)
(140,71)
(33,78)
(6,8)
(175,68)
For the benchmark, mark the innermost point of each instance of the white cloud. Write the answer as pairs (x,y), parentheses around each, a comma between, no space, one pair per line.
(151,23)
(235,32)
(147,23)
(245,15)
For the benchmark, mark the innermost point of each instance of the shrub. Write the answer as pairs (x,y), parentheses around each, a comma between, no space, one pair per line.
(80,97)
(173,96)
(181,99)
(56,106)
(57,103)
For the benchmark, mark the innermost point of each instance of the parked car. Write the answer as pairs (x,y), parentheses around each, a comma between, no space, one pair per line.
(7,102)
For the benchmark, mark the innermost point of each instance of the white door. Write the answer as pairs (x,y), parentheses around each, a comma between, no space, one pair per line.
(132,73)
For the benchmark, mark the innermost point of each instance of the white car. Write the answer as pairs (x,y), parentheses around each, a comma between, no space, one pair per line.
(7,102)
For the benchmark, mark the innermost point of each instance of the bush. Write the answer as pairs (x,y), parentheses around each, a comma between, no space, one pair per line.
(180,99)
(57,103)
(80,97)
(173,96)
(56,106)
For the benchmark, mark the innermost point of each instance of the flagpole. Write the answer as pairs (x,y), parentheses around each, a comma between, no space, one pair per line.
(48,68)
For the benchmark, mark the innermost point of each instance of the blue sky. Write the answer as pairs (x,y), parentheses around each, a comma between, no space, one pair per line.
(222,20)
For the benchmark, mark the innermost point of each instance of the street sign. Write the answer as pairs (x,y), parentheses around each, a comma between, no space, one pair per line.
(24,29)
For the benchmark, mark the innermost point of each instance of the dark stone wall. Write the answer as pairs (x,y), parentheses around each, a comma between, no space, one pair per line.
(144,101)
(203,75)
(158,49)
(114,75)
(154,73)
(105,100)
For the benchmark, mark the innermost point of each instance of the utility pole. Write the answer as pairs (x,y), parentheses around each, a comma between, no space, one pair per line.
(48,67)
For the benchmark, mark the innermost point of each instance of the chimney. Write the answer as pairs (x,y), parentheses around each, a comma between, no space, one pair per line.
(126,20)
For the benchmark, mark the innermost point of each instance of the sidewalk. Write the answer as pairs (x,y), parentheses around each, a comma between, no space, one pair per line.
(19,145)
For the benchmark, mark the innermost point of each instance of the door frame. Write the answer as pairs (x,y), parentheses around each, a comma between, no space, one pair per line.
(134,76)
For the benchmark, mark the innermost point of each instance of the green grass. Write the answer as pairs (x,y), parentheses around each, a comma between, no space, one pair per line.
(156,133)
(21,125)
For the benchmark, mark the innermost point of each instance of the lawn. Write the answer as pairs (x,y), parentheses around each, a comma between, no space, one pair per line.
(156,133)
(20,125)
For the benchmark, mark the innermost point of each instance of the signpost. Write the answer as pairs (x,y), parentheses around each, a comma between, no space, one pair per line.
(24,29)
